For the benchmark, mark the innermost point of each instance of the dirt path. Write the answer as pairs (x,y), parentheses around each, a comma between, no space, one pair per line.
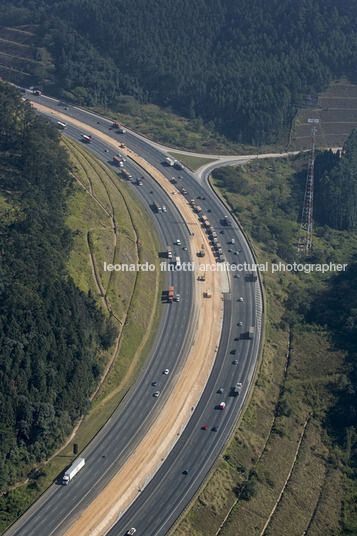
(160,439)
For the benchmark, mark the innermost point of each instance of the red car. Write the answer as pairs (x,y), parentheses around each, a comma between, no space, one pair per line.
(205,427)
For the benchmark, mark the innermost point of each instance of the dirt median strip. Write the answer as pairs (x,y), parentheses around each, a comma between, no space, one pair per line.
(154,448)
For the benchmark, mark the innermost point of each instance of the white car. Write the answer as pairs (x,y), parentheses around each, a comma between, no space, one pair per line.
(241,299)
(131,531)
(156,394)
(166,371)
(240,323)
(178,241)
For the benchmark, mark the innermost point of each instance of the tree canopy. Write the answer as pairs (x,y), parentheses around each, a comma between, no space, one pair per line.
(50,332)
(241,66)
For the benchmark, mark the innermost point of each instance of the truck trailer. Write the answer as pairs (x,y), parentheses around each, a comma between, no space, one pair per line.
(118,161)
(158,207)
(73,470)
(171,294)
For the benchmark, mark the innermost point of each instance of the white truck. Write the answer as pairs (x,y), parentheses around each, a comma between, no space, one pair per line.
(73,470)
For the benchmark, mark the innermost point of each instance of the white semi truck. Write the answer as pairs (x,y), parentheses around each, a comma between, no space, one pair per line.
(73,470)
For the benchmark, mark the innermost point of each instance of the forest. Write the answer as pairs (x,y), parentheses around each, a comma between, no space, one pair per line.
(241,67)
(51,333)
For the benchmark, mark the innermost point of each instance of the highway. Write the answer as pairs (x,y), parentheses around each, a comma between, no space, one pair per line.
(166,495)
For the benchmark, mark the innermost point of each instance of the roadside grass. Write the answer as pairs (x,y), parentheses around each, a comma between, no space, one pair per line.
(297,377)
(144,312)
(192,162)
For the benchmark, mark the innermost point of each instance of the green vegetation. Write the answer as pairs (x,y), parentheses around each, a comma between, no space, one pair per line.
(298,434)
(238,67)
(51,333)
(89,204)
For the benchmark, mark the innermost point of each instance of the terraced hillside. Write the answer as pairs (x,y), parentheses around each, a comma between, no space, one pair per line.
(337,111)
(21,60)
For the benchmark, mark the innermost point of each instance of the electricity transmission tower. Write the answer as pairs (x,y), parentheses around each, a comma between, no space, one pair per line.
(306,228)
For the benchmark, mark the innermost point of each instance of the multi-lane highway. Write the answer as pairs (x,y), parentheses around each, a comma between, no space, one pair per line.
(166,495)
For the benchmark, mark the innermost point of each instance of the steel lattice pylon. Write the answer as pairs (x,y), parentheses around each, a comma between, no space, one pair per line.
(306,228)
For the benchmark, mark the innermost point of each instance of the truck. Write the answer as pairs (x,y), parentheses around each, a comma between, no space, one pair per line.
(37,92)
(207,224)
(171,294)
(236,389)
(203,218)
(116,124)
(227,220)
(158,207)
(169,252)
(251,333)
(201,253)
(73,470)
(86,138)
(61,125)
(126,174)
(198,209)
(178,262)
(118,161)
(169,161)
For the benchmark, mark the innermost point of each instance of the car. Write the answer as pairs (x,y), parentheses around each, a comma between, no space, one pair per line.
(230,250)
(205,427)
(221,232)
(209,210)
(106,151)
(174,193)
(234,351)
(204,198)
(153,384)
(220,390)
(236,253)
(215,429)
(178,242)
(185,472)
(184,248)
(235,362)
(131,531)
(156,394)
(198,197)
(222,405)
(98,122)
(166,371)
(241,299)
(240,323)
(236,275)
(66,108)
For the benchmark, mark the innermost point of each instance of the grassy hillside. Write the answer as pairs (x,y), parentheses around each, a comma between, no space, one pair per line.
(97,198)
(287,470)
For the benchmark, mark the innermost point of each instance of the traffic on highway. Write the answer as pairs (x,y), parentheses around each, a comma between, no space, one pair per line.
(166,494)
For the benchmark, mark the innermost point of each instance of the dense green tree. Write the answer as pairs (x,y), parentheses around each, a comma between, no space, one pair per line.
(50,331)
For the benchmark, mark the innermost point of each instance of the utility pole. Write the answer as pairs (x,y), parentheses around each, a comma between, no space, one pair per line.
(306,227)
